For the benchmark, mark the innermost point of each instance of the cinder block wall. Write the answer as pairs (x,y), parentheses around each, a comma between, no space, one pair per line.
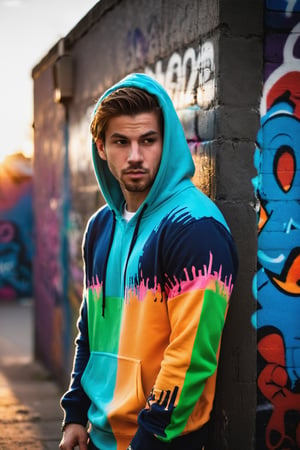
(240,62)
(208,54)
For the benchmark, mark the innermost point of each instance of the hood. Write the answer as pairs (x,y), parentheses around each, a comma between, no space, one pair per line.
(176,167)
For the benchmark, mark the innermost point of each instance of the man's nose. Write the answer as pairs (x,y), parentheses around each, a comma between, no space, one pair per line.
(135,153)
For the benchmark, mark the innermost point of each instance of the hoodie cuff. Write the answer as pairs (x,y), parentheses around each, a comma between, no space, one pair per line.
(77,422)
(146,441)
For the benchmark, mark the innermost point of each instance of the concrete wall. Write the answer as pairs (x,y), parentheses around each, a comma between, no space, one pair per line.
(209,56)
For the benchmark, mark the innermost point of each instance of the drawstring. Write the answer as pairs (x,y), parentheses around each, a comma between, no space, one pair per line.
(133,241)
(106,261)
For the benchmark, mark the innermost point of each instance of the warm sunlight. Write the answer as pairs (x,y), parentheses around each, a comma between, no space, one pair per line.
(4,154)
(16,142)
(20,52)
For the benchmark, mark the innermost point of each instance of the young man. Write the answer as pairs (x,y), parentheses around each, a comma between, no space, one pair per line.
(160,265)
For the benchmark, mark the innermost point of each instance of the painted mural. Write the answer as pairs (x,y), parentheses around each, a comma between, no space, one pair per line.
(277,282)
(16,221)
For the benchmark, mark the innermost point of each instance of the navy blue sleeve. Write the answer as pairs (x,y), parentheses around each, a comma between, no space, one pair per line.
(75,402)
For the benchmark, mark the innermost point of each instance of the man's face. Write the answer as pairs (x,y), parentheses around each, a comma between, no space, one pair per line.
(132,149)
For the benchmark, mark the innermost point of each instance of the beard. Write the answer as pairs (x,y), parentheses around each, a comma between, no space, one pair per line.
(141,183)
(137,186)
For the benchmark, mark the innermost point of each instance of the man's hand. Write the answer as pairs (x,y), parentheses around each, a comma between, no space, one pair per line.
(74,434)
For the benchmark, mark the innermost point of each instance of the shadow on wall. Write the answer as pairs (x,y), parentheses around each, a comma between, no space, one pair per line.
(16,227)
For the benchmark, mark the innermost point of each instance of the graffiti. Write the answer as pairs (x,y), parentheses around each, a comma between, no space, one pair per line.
(139,44)
(286,6)
(190,82)
(15,228)
(277,282)
(15,269)
(189,79)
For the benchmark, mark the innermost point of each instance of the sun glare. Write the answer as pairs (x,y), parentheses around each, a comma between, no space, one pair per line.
(3,155)
(26,151)
(16,84)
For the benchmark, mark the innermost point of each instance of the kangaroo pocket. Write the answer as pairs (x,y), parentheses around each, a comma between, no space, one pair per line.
(113,383)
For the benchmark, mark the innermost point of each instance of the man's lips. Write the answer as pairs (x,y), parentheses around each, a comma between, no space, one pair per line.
(135,172)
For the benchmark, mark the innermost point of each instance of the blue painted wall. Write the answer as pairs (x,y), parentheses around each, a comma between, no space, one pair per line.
(277,282)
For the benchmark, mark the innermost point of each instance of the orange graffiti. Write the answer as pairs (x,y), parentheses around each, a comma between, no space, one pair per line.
(290,279)
(263,218)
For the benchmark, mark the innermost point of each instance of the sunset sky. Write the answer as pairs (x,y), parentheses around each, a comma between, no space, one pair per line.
(28,29)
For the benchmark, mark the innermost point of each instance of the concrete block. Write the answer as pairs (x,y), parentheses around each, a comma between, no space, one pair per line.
(240,72)
(234,170)
(242,18)
(234,122)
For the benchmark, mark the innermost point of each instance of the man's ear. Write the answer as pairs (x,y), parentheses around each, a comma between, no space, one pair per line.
(100,147)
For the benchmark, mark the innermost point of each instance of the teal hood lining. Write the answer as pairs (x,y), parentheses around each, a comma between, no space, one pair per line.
(176,167)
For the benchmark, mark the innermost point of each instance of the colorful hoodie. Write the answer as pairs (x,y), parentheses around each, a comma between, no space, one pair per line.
(155,299)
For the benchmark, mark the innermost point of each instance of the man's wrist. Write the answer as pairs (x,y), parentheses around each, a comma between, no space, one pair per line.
(65,424)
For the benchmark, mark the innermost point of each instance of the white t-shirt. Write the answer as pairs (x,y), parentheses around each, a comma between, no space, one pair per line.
(127,214)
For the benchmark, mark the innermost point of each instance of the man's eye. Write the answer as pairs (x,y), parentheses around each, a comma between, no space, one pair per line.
(149,141)
(121,142)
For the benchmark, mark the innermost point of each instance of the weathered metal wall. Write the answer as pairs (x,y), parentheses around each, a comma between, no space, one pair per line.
(276,284)
(208,54)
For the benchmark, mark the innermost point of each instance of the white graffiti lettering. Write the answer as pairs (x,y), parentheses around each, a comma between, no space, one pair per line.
(189,79)
(290,7)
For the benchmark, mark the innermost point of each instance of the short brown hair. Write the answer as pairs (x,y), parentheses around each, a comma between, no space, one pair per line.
(124,101)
